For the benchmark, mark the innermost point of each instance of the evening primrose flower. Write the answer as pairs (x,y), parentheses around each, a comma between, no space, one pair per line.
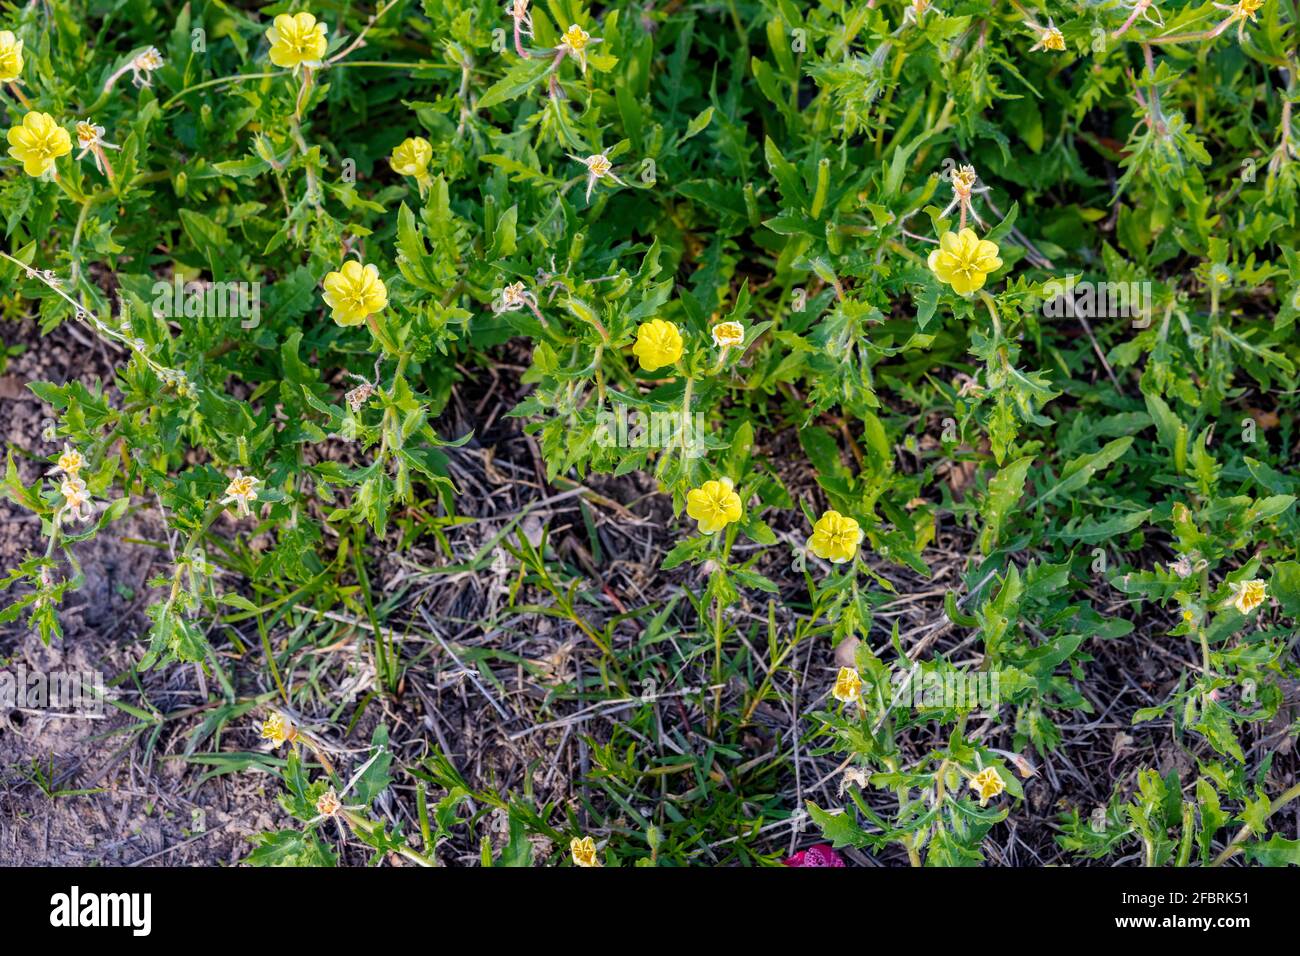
(278,730)
(91,140)
(355,293)
(329,803)
(988,784)
(848,686)
(11,57)
(297,40)
(964,261)
(584,852)
(1049,38)
(411,157)
(835,538)
(598,167)
(145,63)
(714,505)
(1238,13)
(76,497)
(37,142)
(727,334)
(574,43)
(658,343)
(240,492)
(1247,595)
(69,463)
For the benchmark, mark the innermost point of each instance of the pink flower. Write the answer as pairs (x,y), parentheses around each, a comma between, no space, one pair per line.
(819,855)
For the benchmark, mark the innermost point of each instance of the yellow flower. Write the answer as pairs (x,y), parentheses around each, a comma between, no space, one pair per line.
(727,334)
(11,57)
(241,491)
(575,42)
(714,505)
(38,142)
(1247,595)
(1050,39)
(354,293)
(1243,10)
(584,852)
(278,730)
(835,538)
(658,343)
(964,261)
(987,784)
(297,39)
(412,157)
(69,463)
(848,686)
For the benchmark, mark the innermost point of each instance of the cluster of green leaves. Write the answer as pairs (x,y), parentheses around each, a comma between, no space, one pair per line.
(794,184)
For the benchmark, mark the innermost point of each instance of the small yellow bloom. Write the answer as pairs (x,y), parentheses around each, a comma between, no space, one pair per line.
(658,343)
(1247,595)
(278,730)
(69,463)
(964,261)
(714,505)
(584,852)
(835,538)
(412,157)
(848,686)
(329,803)
(598,167)
(987,784)
(355,293)
(1243,10)
(38,142)
(241,491)
(11,57)
(726,334)
(1050,39)
(575,42)
(297,39)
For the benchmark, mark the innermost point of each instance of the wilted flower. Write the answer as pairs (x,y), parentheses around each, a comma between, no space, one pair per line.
(357,397)
(835,538)
(91,140)
(241,491)
(278,730)
(848,686)
(76,497)
(714,505)
(144,64)
(11,57)
(964,261)
(598,167)
(964,178)
(988,784)
(584,852)
(574,43)
(514,296)
(37,142)
(1049,38)
(1247,595)
(297,40)
(329,803)
(69,463)
(726,334)
(916,10)
(355,293)
(517,10)
(658,343)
